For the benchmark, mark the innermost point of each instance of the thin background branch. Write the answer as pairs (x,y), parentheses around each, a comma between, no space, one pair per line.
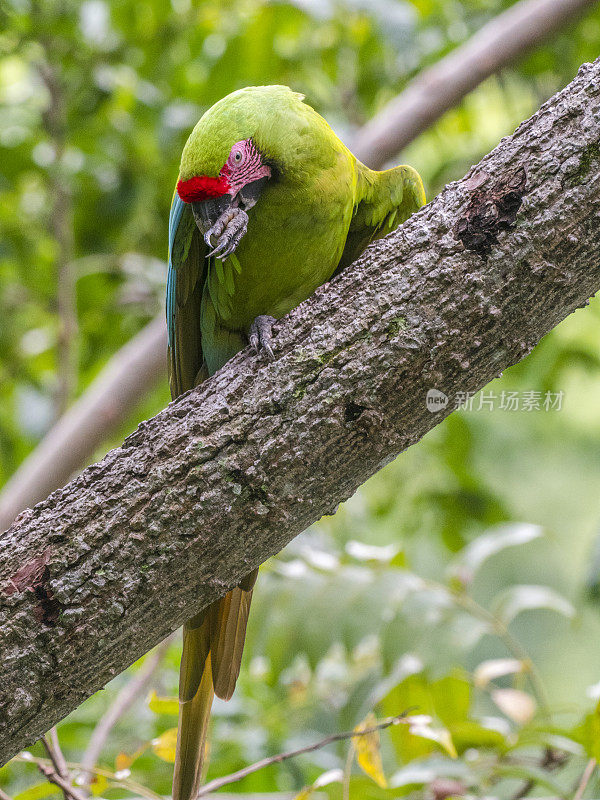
(56,754)
(508,37)
(52,772)
(130,785)
(218,783)
(585,779)
(122,703)
(61,222)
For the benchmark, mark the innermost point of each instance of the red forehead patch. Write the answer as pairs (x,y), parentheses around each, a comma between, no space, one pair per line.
(202,187)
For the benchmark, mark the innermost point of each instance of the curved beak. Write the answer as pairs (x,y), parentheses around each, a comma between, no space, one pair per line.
(249,194)
(207,212)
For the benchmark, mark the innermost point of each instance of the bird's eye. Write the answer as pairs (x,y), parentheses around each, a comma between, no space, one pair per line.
(237,156)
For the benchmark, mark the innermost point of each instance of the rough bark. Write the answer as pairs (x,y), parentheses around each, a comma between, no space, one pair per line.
(223,478)
(88,423)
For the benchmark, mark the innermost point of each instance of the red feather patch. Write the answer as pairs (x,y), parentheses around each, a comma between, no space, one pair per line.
(202,187)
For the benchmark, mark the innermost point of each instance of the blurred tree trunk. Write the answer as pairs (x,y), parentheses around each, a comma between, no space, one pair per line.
(222,479)
(61,222)
(130,374)
(509,37)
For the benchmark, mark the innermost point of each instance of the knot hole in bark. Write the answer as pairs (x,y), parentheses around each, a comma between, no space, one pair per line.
(491,209)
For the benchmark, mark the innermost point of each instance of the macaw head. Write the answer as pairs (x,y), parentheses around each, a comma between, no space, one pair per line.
(243,166)
(225,164)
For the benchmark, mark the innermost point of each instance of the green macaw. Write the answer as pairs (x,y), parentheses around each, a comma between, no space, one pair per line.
(269,204)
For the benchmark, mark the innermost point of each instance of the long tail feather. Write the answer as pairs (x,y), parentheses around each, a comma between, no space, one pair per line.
(195,701)
(213,642)
(191,738)
(227,636)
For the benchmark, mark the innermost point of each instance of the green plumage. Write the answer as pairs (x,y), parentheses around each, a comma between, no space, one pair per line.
(319,211)
(315,215)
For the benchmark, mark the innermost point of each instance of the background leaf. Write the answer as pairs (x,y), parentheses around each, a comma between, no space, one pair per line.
(165,744)
(163,705)
(489,544)
(368,752)
(517,705)
(37,791)
(513,601)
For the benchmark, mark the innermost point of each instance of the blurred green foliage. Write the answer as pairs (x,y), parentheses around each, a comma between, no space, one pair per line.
(459,553)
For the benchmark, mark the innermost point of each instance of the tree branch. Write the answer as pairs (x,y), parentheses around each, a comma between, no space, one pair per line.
(228,474)
(59,767)
(141,364)
(61,221)
(122,703)
(54,773)
(434,91)
(129,375)
(55,753)
(226,780)
(585,779)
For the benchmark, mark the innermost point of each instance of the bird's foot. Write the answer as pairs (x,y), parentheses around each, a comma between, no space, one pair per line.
(261,337)
(227,232)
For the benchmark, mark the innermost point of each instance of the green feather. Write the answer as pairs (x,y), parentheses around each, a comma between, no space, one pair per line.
(219,270)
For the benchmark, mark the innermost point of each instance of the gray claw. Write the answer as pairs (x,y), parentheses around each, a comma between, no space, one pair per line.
(223,247)
(228,231)
(260,336)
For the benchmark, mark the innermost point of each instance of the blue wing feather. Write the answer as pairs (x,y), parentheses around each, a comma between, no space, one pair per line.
(185,282)
(177,209)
